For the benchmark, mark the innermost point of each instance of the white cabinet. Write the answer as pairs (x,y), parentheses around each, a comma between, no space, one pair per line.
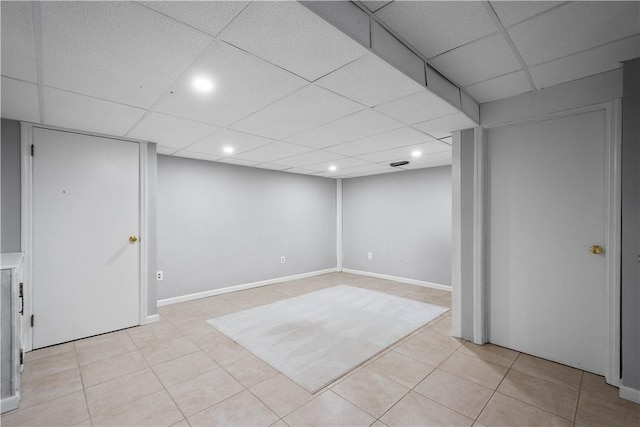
(12,304)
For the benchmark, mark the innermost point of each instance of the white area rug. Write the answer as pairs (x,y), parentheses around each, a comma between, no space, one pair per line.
(318,337)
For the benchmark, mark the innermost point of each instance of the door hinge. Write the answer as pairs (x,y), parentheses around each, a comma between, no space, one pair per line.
(21,357)
(32,317)
(21,296)
(32,150)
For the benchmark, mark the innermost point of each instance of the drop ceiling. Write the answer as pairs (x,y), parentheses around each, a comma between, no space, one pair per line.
(292,92)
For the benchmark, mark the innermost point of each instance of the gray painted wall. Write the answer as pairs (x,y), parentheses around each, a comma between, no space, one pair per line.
(222,225)
(404,219)
(10,191)
(630,287)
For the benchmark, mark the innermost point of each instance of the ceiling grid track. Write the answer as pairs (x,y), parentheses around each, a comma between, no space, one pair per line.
(507,39)
(36,13)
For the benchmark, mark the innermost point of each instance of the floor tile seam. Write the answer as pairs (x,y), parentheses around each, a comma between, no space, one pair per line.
(166,390)
(403,385)
(536,407)
(22,408)
(22,375)
(532,374)
(575,414)
(172,358)
(214,404)
(554,384)
(267,406)
(368,413)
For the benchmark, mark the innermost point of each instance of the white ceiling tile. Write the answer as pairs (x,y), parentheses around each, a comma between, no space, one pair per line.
(573,28)
(434,27)
(242,85)
(118,51)
(384,141)
(433,160)
(239,162)
(240,142)
(17,41)
(511,12)
(583,64)
(198,156)
(160,149)
(340,164)
(74,111)
(170,131)
(301,171)
(477,61)
(369,168)
(19,100)
(305,109)
(208,16)
(272,152)
(292,37)
(417,108)
(271,166)
(370,81)
(359,125)
(404,153)
(443,126)
(500,87)
(374,5)
(309,158)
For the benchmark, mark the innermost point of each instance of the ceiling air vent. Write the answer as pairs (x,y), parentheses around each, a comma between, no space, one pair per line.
(396,164)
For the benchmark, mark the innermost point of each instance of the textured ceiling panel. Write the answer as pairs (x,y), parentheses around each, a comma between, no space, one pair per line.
(511,12)
(404,153)
(583,64)
(272,152)
(310,158)
(170,131)
(303,110)
(443,126)
(81,112)
(242,85)
(375,4)
(117,51)
(17,41)
(417,108)
(575,27)
(499,88)
(434,27)
(359,125)
(240,142)
(436,159)
(477,61)
(369,81)
(208,16)
(19,100)
(340,164)
(293,37)
(384,141)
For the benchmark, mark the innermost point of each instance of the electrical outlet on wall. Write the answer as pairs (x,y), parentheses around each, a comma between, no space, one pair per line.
(369,255)
(160,275)
(282,259)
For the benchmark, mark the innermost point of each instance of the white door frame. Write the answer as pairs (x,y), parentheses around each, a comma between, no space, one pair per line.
(613,143)
(26,215)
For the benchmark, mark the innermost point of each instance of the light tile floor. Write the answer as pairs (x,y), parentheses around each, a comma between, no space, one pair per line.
(180,371)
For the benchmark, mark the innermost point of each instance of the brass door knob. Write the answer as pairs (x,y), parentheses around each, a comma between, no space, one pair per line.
(133,239)
(596,250)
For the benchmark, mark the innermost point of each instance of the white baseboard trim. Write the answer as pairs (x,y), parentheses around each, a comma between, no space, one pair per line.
(152,318)
(629,393)
(399,279)
(226,290)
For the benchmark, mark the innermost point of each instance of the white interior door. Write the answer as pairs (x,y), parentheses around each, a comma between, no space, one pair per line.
(546,185)
(85,207)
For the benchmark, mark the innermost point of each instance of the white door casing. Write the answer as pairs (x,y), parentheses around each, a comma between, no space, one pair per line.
(537,228)
(83,202)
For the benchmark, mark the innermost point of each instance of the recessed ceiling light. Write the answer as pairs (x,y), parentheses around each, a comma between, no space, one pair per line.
(228,149)
(203,84)
(333,168)
(416,153)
